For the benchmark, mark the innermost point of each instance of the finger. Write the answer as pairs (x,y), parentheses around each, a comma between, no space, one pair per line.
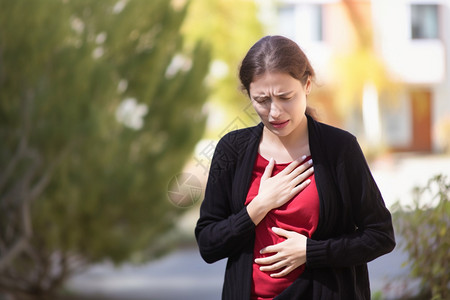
(281,232)
(303,176)
(300,187)
(273,267)
(268,170)
(283,272)
(294,164)
(302,168)
(270,249)
(268,260)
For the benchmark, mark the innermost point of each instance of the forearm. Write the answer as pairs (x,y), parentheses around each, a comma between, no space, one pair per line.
(219,239)
(357,248)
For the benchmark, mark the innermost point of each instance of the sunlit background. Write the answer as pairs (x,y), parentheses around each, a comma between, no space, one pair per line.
(110,112)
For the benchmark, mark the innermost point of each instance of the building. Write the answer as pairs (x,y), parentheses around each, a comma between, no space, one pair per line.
(411,40)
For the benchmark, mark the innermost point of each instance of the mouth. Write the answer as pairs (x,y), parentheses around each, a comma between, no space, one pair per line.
(279,124)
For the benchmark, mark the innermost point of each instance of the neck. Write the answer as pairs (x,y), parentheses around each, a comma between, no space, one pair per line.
(298,137)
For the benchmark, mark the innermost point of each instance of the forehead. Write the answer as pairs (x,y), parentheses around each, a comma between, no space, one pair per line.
(274,82)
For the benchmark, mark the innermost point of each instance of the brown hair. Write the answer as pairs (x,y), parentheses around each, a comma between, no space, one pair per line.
(275,54)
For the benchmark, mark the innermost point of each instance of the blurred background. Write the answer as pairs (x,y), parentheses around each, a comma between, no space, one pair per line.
(110,111)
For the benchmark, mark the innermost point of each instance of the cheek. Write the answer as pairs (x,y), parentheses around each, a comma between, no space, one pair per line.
(299,105)
(292,107)
(260,110)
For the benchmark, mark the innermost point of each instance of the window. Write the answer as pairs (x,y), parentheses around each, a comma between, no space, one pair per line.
(424,21)
(286,21)
(301,21)
(316,20)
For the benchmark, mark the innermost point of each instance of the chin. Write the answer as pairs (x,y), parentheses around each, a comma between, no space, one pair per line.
(281,132)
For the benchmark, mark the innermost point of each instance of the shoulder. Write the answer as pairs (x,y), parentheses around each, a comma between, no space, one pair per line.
(332,135)
(233,146)
(332,143)
(240,138)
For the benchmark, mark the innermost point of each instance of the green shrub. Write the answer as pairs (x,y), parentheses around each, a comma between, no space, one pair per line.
(424,228)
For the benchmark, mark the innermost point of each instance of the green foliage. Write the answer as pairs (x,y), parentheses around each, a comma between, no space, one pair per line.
(377,296)
(231,27)
(424,227)
(79,182)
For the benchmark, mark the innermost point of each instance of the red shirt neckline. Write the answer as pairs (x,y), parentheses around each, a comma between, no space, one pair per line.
(308,157)
(277,164)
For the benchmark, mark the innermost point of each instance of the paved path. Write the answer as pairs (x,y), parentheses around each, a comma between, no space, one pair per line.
(184,275)
(180,275)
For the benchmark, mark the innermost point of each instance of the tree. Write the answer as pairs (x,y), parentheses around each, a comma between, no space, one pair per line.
(100,105)
(231,27)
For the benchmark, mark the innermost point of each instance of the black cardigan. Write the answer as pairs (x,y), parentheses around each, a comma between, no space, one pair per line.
(354,225)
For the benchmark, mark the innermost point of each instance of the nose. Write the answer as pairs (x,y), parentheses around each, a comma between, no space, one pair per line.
(275,111)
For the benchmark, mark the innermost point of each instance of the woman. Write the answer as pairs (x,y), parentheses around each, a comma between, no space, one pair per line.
(290,202)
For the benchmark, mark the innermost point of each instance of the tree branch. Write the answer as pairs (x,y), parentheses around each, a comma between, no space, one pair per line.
(21,147)
(15,250)
(41,184)
(22,243)
(2,70)
(24,222)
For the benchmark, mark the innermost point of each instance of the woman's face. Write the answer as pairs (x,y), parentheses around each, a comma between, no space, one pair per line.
(280,101)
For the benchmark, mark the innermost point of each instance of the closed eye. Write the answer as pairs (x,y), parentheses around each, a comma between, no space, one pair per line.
(261,99)
(285,98)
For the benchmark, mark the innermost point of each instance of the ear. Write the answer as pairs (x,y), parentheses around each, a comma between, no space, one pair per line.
(308,86)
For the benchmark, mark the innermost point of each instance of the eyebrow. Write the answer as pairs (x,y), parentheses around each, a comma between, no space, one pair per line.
(284,93)
(260,97)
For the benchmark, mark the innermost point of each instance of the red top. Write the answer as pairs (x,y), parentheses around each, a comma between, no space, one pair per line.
(300,214)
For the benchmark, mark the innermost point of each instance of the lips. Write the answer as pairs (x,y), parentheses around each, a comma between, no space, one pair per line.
(279,124)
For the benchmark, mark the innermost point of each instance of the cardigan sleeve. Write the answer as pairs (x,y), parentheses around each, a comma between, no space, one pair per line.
(220,230)
(373,235)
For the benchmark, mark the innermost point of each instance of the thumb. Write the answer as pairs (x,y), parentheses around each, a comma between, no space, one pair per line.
(281,232)
(268,170)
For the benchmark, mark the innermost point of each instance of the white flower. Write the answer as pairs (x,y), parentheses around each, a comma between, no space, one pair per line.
(119,6)
(131,113)
(179,63)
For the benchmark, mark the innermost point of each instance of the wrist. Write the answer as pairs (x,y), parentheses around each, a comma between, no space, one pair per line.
(257,210)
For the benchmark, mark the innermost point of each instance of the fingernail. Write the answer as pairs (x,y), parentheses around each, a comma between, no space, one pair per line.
(310,161)
(274,228)
(271,160)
